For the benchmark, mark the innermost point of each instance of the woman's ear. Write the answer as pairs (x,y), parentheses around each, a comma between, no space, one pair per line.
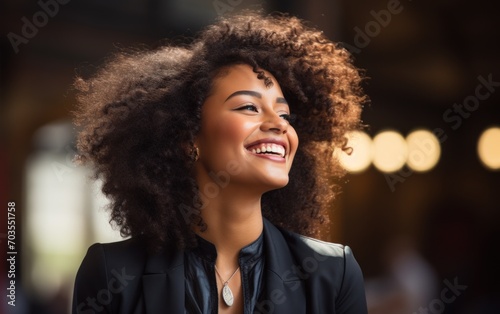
(195,154)
(192,150)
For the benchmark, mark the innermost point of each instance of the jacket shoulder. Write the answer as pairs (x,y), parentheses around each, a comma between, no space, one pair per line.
(322,247)
(320,260)
(109,272)
(132,248)
(310,245)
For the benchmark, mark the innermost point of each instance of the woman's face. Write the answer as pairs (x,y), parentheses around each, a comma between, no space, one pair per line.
(245,134)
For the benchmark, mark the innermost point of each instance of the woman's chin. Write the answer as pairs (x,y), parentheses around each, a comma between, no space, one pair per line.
(276,183)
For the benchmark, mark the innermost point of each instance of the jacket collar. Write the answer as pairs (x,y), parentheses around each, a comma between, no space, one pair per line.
(163,279)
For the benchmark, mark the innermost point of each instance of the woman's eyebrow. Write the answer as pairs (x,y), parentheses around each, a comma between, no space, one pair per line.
(280,100)
(245,92)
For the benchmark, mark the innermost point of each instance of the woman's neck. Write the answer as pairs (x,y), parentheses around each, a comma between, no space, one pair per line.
(234,220)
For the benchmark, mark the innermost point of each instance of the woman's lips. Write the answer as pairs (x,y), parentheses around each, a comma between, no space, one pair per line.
(272,147)
(268,149)
(272,157)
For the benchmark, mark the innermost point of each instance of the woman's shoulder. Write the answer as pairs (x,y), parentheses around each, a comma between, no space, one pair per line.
(133,255)
(322,247)
(109,271)
(308,245)
(317,260)
(338,255)
(130,249)
(108,258)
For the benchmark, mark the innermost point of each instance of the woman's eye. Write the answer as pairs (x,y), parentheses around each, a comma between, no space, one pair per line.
(248,107)
(288,117)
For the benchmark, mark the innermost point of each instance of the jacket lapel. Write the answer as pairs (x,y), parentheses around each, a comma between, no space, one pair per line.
(284,288)
(163,283)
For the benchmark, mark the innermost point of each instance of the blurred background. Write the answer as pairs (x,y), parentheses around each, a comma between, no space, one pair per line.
(420,206)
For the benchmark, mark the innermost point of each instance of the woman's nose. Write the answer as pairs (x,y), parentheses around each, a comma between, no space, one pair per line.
(275,123)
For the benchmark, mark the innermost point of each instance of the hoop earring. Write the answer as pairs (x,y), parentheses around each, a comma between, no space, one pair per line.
(196,153)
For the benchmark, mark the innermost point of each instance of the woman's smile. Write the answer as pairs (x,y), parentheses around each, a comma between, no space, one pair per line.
(269,148)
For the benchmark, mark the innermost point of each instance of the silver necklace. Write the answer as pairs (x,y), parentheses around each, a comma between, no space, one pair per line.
(227,294)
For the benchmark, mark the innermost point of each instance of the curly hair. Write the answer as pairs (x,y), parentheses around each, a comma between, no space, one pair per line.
(140,113)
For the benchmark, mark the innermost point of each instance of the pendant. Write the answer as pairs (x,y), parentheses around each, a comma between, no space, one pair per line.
(227,295)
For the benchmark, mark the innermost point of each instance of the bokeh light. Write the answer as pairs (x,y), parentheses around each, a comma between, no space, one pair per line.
(361,155)
(390,151)
(488,148)
(423,150)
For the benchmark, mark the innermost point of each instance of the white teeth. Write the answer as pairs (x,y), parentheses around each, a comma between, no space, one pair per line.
(269,148)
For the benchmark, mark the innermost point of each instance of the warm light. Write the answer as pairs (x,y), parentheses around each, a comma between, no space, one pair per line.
(488,148)
(423,150)
(54,229)
(362,152)
(390,151)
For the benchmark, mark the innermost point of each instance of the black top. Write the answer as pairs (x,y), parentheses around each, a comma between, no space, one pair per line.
(201,286)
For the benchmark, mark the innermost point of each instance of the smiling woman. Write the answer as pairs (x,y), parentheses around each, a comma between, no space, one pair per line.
(195,147)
